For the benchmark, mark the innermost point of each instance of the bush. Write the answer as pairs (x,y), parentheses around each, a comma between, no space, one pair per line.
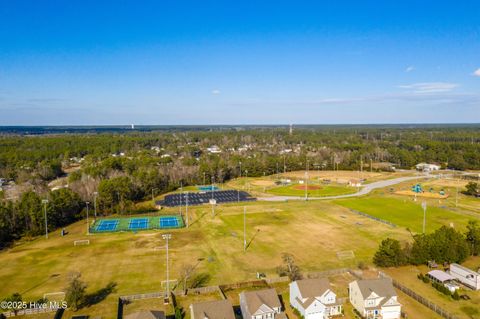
(456,295)
(444,290)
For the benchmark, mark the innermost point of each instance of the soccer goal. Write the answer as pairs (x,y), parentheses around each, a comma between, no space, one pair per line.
(345,255)
(60,295)
(81,242)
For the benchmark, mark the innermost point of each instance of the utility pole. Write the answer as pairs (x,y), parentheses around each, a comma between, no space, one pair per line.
(167,237)
(88,225)
(456,196)
(424,206)
(45,202)
(203,178)
(244,228)
(95,194)
(240,164)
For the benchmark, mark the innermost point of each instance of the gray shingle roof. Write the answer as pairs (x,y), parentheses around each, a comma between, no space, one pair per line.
(218,309)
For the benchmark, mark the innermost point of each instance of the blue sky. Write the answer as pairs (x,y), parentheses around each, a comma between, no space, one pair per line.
(239,62)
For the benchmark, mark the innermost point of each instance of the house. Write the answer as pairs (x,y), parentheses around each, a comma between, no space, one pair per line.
(214,149)
(146,314)
(375,298)
(466,276)
(425,167)
(261,304)
(314,299)
(217,309)
(443,278)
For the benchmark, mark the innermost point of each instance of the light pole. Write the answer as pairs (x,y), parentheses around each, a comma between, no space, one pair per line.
(424,206)
(167,237)
(240,163)
(88,225)
(95,194)
(186,208)
(153,196)
(203,178)
(45,202)
(244,228)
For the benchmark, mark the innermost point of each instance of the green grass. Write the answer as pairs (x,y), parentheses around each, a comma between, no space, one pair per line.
(405,212)
(325,190)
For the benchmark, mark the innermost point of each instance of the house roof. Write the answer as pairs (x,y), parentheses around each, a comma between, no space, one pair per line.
(258,298)
(146,314)
(440,275)
(313,287)
(218,309)
(382,287)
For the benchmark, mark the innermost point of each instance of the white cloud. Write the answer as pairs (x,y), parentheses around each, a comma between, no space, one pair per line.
(430,87)
(410,69)
(216,92)
(477,72)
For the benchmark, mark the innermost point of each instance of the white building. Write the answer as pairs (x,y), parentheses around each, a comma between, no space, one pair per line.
(466,276)
(443,278)
(214,149)
(425,167)
(375,298)
(314,299)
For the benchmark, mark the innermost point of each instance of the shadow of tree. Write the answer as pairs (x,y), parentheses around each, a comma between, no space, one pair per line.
(200,280)
(99,295)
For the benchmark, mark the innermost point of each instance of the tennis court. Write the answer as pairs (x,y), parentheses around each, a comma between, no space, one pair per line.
(137,223)
(107,225)
(168,222)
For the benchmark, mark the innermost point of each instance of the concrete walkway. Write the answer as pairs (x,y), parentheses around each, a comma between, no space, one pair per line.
(364,191)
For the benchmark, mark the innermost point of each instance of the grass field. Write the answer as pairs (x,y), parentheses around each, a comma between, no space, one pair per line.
(405,213)
(314,190)
(135,262)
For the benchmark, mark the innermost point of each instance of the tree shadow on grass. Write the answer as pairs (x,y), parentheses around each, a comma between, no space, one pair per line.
(99,295)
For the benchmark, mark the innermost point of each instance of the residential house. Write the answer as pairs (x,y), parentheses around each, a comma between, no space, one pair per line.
(146,314)
(314,299)
(375,298)
(218,309)
(261,304)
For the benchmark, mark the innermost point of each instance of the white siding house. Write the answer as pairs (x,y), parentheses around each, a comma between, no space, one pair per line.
(466,276)
(314,299)
(425,167)
(375,299)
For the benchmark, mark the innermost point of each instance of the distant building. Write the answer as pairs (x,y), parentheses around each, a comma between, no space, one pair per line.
(425,167)
(261,304)
(354,183)
(218,309)
(375,299)
(314,299)
(214,149)
(468,277)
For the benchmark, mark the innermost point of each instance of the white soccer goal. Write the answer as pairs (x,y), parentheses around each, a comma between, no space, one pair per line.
(52,296)
(346,254)
(81,242)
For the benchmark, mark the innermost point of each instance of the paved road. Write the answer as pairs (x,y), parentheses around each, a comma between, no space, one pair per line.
(365,190)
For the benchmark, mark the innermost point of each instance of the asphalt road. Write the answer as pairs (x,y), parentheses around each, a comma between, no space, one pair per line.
(367,188)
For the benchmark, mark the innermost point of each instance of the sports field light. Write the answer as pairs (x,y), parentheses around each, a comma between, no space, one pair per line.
(167,237)
(88,225)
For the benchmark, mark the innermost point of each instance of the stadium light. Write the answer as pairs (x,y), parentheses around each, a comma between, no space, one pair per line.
(45,202)
(95,194)
(88,225)
(167,237)
(244,228)
(153,197)
(424,206)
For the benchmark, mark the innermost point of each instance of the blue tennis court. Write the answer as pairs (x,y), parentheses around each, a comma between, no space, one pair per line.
(107,225)
(168,222)
(138,223)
